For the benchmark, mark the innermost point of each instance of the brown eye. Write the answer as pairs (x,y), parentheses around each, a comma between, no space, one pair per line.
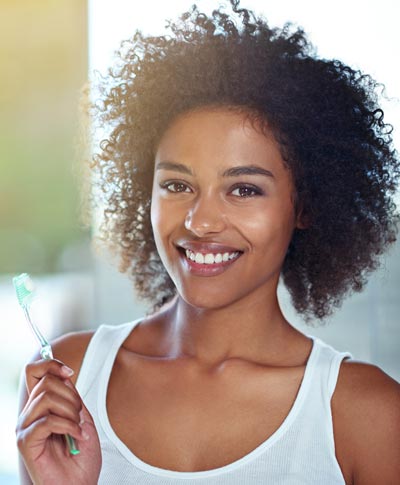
(244,191)
(175,187)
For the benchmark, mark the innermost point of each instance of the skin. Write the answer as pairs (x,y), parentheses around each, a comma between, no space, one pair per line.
(210,363)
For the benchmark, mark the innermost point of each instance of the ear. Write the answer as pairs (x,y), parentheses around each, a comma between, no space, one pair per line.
(303,220)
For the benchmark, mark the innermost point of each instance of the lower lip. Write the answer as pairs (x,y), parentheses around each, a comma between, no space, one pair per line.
(208,269)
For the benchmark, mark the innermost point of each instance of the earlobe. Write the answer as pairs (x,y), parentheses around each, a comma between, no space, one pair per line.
(303,224)
(303,220)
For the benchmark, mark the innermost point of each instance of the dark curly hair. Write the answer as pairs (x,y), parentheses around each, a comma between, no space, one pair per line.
(324,115)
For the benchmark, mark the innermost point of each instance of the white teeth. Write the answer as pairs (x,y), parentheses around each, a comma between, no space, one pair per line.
(199,258)
(210,258)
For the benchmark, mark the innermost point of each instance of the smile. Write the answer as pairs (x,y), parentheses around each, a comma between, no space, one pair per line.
(211,258)
(208,263)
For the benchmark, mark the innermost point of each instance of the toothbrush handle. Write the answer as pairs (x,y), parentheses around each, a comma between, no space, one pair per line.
(38,334)
(73,449)
(46,352)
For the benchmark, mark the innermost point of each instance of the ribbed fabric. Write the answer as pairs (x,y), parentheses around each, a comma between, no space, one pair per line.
(301,451)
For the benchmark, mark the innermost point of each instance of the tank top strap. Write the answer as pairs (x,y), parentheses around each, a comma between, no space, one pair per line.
(101,352)
(327,367)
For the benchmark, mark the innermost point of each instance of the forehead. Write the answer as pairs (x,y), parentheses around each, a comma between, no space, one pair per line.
(219,134)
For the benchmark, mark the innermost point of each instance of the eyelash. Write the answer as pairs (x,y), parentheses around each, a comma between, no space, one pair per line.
(168,183)
(256,191)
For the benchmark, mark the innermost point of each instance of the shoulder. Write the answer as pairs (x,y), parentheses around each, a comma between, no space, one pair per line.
(366,417)
(70,349)
(367,387)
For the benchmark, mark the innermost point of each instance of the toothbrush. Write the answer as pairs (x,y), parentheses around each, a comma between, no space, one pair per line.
(25,290)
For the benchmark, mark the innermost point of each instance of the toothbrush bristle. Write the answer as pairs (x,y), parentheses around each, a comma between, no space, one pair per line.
(24,288)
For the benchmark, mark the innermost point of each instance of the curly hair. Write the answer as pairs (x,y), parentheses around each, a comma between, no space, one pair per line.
(324,115)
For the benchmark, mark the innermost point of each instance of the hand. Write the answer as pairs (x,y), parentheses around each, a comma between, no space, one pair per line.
(54,408)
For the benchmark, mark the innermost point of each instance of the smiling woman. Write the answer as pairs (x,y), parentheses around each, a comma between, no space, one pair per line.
(236,156)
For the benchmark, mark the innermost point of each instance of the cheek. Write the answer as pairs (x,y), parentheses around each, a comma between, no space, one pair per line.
(271,225)
(157,221)
(156,209)
(154,214)
(164,220)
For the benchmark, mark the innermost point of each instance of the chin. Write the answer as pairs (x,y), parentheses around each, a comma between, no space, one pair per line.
(206,300)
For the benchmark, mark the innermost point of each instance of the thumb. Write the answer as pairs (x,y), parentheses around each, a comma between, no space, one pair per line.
(91,443)
(84,414)
(87,423)
(86,417)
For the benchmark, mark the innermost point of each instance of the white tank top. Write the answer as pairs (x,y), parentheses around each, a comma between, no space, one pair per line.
(300,451)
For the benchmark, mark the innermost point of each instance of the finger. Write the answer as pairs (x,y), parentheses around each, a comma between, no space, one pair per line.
(38,369)
(53,384)
(89,429)
(48,403)
(63,387)
(86,421)
(85,415)
(42,429)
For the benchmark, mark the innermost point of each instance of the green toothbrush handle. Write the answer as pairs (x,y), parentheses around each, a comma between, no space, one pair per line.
(73,449)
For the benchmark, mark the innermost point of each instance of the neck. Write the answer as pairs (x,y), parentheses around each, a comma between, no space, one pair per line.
(250,330)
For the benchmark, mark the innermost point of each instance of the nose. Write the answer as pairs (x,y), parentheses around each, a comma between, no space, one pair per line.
(205,217)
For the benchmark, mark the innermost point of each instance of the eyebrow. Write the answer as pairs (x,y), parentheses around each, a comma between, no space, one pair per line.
(176,167)
(246,170)
(230,172)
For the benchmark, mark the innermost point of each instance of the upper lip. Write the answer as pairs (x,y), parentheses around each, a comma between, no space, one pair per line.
(206,247)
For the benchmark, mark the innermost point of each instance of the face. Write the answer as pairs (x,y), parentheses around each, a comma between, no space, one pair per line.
(222,208)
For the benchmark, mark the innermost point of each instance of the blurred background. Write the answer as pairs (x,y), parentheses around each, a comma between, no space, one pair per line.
(48,49)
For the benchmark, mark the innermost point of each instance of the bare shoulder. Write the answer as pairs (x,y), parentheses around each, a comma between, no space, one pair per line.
(366,417)
(367,384)
(70,349)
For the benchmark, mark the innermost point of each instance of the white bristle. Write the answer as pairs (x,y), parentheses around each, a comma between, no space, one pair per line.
(29,284)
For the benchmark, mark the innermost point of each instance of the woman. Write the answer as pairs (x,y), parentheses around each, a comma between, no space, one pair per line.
(236,156)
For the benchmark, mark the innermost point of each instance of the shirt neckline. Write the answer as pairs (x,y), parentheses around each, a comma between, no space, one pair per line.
(136,461)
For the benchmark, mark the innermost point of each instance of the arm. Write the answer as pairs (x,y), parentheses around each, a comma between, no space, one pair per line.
(366,416)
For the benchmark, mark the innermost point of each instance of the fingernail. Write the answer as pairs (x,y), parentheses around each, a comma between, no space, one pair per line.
(85,436)
(67,371)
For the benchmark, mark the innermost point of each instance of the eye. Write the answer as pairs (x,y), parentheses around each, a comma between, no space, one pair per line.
(245,191)
(175,186)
